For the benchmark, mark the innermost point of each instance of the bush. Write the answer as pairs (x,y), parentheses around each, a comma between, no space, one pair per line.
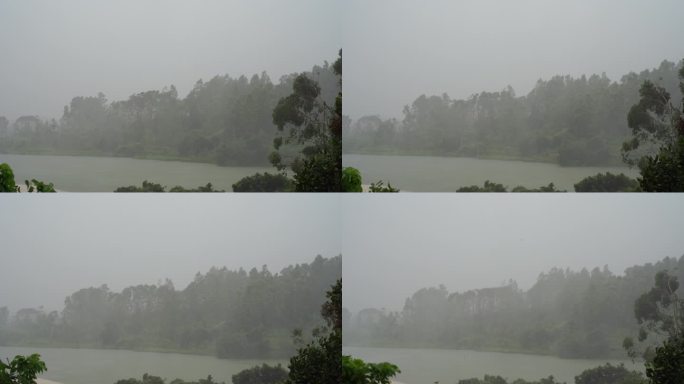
(265,182)
(607,182)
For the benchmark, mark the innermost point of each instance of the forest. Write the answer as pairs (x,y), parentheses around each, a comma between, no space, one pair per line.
(573,314)
(225,120)
(565,120)
(227,313)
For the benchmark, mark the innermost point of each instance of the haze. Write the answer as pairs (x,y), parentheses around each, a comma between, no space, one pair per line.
(53,51)
(397,50)
(53,246)
(395,245)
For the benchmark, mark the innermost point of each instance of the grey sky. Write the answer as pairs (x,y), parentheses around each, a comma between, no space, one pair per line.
(396,50)
(395,245)
(55,50)
(55,245)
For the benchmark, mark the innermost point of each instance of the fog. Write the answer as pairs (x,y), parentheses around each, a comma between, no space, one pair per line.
(53,51)
(398,50)
(396,245)
(53,246)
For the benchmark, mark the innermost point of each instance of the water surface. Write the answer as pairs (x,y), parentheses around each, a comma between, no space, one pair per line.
(447,174)
(420,366)
(105,174)
(98,366)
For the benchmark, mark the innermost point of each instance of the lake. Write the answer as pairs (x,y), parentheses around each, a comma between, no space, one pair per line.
(98,366)
(421,366)
(447,174)
(105,174)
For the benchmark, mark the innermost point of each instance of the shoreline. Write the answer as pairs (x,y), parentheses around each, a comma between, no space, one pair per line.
(493,157)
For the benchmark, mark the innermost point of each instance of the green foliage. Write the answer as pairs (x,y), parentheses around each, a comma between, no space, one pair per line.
(264,183)
(610,374)
(664,172)
(571,121)
(495,187)
(229,313)
(607,182)
(351,180)
(667,366)
(490,379)
(149,379)
(316,127)
(660,310)
(577,314)
(7,183)
(380,187)
(357,371)
(657,142)
(225,120)
(39,186)
(488,187)
(148,186)
(320,361)
(264,374)
(22,369)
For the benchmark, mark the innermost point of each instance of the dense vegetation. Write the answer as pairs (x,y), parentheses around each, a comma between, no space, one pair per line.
(229,313)
(490,186)
(571,121)
(148,186)
(565,313)
(226,120)
(320,360)
(7,183)
(22,369)
(604,374)
(657,142)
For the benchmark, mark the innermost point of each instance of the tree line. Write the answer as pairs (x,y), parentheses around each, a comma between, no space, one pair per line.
(225,120)
(579,314)
(229,313)
(567,120)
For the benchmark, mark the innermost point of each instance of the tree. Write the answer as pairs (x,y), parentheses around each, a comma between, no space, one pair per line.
(357,371)
(667,366)
(7,183)
(610,374)
(320,361)
(264,374)
(351,180)
(607,182)
(317,127)
(22,369)
(265,182)
(148,186)
(659,312)
(657,143)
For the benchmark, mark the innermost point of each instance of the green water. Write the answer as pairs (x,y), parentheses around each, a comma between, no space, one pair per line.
(421,366)
(95,366)
(444,174)
(105,174)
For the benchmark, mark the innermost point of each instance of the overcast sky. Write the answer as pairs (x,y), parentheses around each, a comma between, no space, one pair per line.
(395,245)
(396,50)
(52,51)
(55,245)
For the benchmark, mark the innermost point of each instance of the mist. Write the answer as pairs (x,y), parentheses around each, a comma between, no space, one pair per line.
(395,245)
(399,50)
(55,51)
(56,245)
